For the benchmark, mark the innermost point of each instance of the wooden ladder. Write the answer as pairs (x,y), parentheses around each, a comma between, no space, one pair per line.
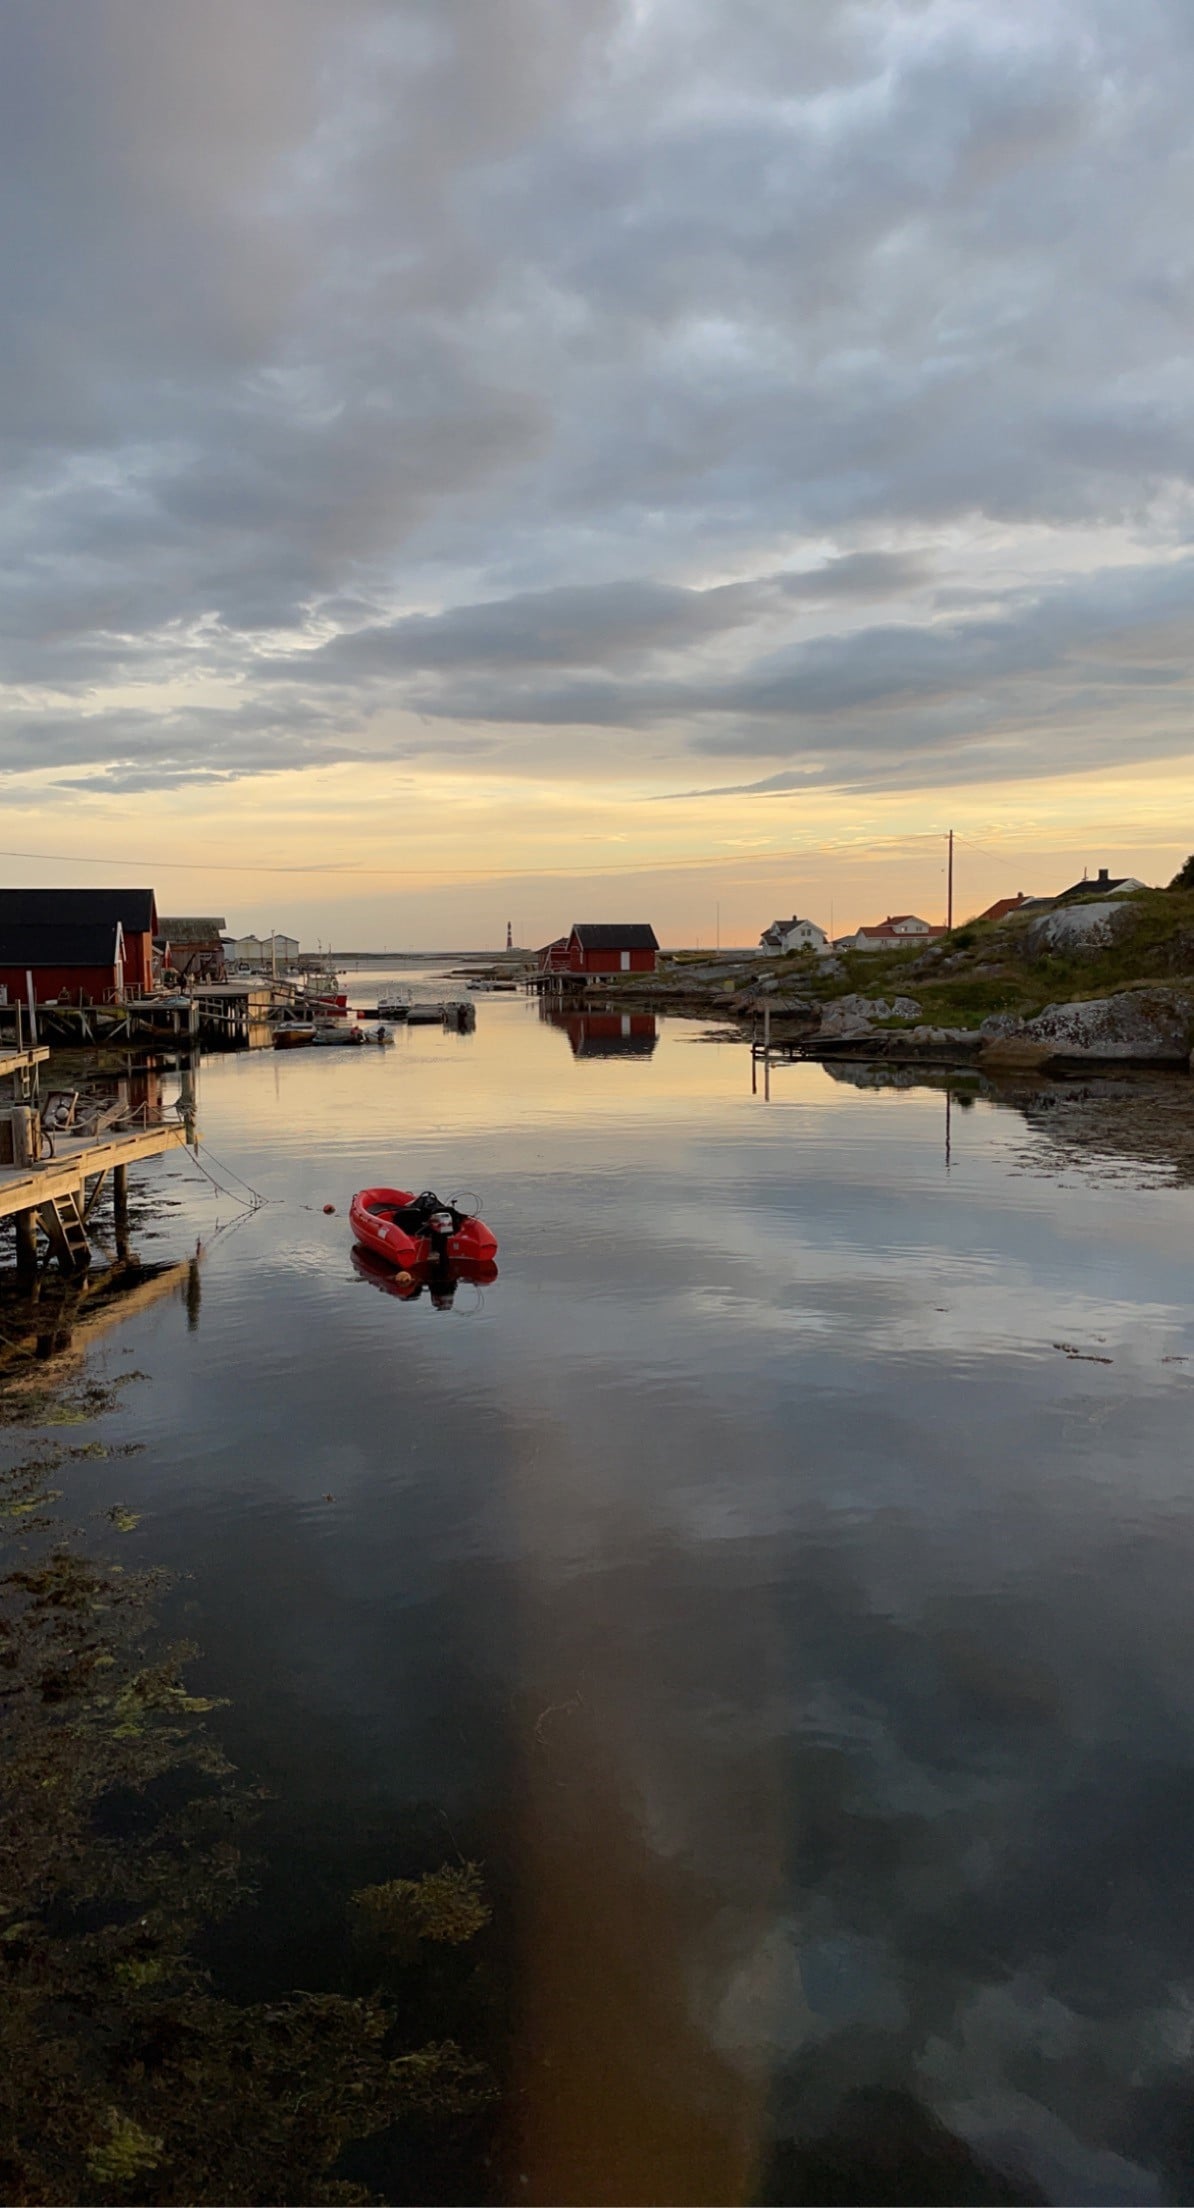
(63,1222)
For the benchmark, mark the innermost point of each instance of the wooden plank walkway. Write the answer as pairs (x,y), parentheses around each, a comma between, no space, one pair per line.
(20,1061)
(79,1159)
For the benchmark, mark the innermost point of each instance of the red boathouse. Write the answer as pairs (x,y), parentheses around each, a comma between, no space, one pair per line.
(81,963)
(612,947)
(67,939)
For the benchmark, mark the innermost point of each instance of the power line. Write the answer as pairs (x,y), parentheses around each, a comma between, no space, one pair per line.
(488,873)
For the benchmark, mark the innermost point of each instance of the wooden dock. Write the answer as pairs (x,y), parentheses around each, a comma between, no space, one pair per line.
(54,1192)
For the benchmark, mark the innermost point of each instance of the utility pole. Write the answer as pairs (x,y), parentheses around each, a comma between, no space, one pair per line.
(719,923)
(949,895)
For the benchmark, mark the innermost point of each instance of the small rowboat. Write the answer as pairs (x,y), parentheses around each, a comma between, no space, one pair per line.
(291,1034)
(408,1230)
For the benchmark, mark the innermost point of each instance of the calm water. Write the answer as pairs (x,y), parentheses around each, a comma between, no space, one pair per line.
(802,1638)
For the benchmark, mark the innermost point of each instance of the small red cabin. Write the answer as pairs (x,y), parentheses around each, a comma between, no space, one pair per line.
(553,958)
(83,963)
(44,919)
(606,947)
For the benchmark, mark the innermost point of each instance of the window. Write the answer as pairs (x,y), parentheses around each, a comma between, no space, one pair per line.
(625,962)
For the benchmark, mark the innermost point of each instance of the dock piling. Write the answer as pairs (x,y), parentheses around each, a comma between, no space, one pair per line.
(25,1223)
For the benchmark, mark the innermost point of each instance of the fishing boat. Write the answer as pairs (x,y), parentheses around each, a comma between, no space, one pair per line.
(410,1231)
(394,1007)
(293,1034)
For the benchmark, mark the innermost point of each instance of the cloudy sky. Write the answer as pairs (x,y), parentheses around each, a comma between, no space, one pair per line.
(594,458)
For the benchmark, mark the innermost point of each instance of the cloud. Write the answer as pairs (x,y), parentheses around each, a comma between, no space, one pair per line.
(598,367)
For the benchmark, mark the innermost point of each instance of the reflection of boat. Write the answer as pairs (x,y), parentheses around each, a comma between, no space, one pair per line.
(440,1281)
(409,1231)
(291,1034)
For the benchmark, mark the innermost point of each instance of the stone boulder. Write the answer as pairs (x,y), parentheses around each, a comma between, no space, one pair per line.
(855,1015)
(1141,1026)
(1077,927)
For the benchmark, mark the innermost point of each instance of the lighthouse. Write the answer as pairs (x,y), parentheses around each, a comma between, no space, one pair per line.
(509,935)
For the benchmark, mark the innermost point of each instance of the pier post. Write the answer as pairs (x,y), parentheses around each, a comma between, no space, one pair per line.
(24,1151)
(25,1223)
(120,1210)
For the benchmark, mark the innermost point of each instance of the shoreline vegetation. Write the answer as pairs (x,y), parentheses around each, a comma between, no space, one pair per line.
(1088,985)
(125,2073)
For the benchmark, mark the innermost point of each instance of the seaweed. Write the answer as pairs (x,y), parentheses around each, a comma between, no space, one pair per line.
(124,2074)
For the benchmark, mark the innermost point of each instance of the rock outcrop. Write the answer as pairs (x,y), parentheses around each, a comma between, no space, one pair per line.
(1141,1026)
(1077,927)
(855,1015)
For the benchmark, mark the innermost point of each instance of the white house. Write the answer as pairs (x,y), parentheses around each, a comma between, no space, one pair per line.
(260,951)
(888,935)
(793,935)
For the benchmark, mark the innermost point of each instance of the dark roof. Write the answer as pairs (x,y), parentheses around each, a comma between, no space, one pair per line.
(70,945)
(191,931)
(134,908)
(1102,885)
(634,935)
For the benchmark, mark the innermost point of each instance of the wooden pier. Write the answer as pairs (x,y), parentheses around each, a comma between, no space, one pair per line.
(769,1050)
(58,1193)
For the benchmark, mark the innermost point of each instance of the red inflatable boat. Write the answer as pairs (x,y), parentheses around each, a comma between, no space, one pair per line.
(408,1230)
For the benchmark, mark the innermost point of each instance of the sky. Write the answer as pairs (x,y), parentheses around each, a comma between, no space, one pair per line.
(469,460)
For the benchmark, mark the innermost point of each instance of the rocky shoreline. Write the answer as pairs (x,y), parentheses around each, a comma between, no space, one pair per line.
(1090,988)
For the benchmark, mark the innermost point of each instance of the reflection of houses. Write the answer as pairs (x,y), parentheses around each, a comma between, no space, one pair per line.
(900,930)
(193,948)
(606,1034)
(793,935)
(85,945)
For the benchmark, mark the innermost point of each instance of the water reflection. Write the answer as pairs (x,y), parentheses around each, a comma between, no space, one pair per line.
(783,1587)
(604,1034)
(439,1282)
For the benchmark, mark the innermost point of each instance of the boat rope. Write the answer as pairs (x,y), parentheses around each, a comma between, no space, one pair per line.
(258,1199)
(252,1201)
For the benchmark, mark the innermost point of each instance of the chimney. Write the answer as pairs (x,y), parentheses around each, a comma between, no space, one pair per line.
(1104,875)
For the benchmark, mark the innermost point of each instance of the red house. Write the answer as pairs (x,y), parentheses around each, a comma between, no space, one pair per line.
(83,962)
(553,958)
(39,912)
(612,948)
(1003,905)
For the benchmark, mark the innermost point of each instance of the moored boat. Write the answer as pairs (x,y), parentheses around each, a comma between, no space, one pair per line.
(338,1032)
(408,1230)
(292,1034)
